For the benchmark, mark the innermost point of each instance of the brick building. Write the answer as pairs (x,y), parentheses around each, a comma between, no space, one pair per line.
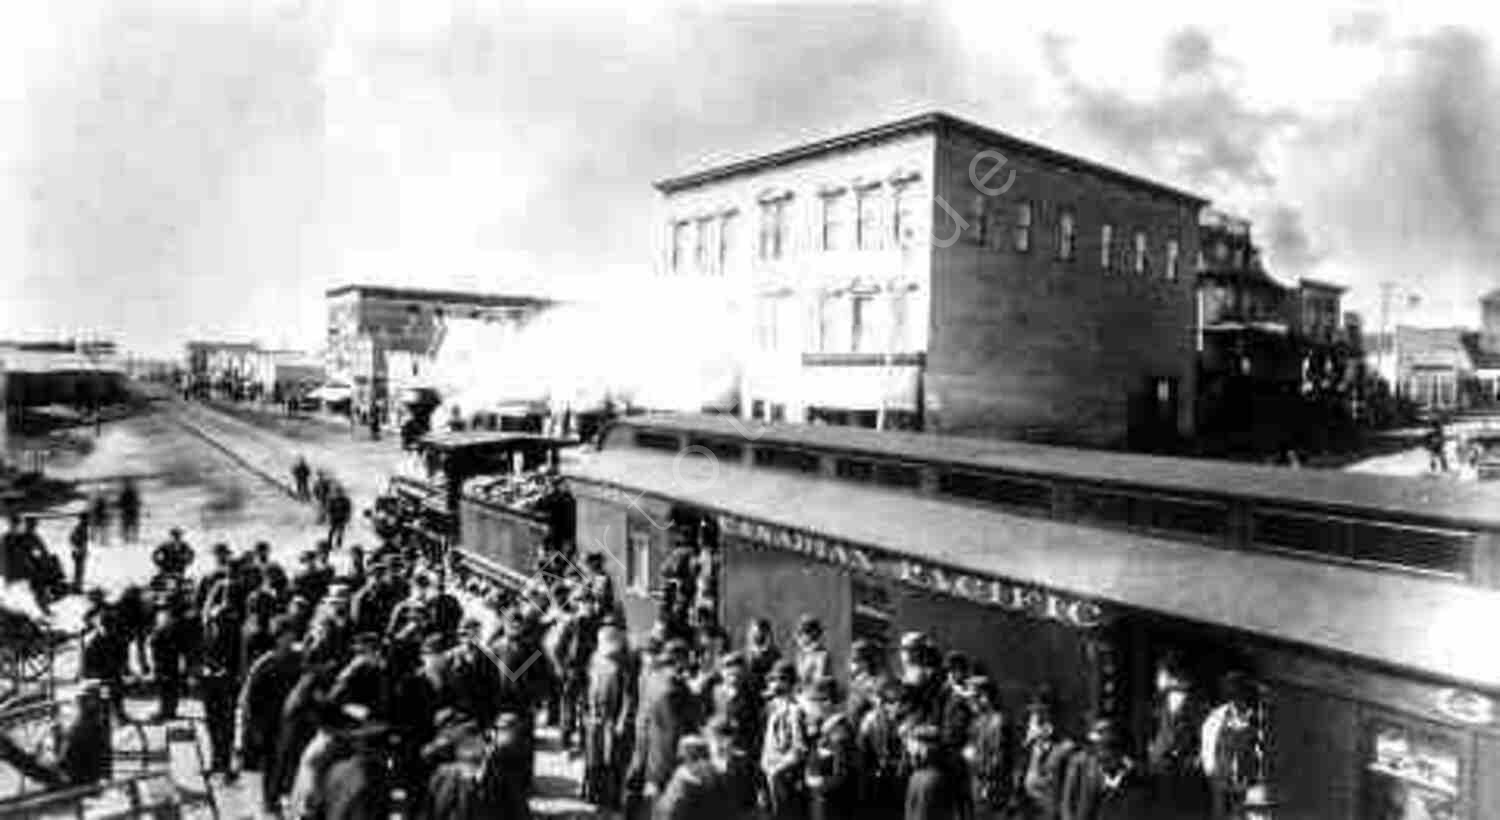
(935,274)
(367,323)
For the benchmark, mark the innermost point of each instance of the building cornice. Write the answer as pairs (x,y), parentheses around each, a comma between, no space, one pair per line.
(935,122)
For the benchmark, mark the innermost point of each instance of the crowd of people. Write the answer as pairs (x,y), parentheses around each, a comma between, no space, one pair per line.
(357,684)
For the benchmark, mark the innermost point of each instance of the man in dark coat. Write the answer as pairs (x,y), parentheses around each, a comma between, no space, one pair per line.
(1044,759)
(130,512)
(1102,783)
(990,751)
(696,788)
(267,685)
(340,508)
(83,749)
(739,708)
(167,655)
(78,539)
(934,791)
(300,716)
(465,787)
(1172,761)
(220,683)
(105,657)
(667,712)
(173,556)
(867,676)
(882,753)
(356,786)
(761,653)
(608,709)
(300,474)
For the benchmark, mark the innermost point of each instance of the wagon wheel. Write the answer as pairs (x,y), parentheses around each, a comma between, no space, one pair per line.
(29,729)
(34,665)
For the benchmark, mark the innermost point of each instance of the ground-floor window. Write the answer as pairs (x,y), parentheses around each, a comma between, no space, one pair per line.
(1412,771)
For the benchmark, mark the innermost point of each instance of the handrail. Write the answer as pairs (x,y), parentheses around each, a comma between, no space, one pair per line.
(13,806)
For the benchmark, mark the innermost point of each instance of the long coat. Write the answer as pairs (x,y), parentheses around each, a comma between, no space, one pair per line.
(667,712)
(607,715)
(935,792)
(266,688)
(356,788)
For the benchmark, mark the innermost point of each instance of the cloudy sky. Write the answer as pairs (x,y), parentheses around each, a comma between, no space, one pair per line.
(186,168)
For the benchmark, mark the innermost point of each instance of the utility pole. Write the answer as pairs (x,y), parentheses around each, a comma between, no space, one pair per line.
(1388,336)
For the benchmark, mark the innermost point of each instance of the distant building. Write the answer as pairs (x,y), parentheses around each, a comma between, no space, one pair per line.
(218,363)
(367,323)
(902,277)
(1434,366)
(1266,350)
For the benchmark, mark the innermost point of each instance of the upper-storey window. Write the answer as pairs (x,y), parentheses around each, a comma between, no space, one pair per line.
(1174,251)
(867,203)
(903,214)
(728,236)
(773,228)
(861,331)
(1022,236)
(1067,234)
(1138,259)
(680,250)
(700,244)
(835,231)
(1106,246)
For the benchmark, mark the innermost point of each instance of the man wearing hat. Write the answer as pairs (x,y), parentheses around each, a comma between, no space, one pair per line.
(607,710)
(219,571)
(219,681)
(882,752)
(784,748)
(167,656)
(668,711)
(1044,755)
(832,773)
(1172,759)
(867,674)
(989,751)
(761,653)
(1227,746)
(697,788)
(172,556)
(813,660)
(266,688)
(914,649)
(1102,783)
